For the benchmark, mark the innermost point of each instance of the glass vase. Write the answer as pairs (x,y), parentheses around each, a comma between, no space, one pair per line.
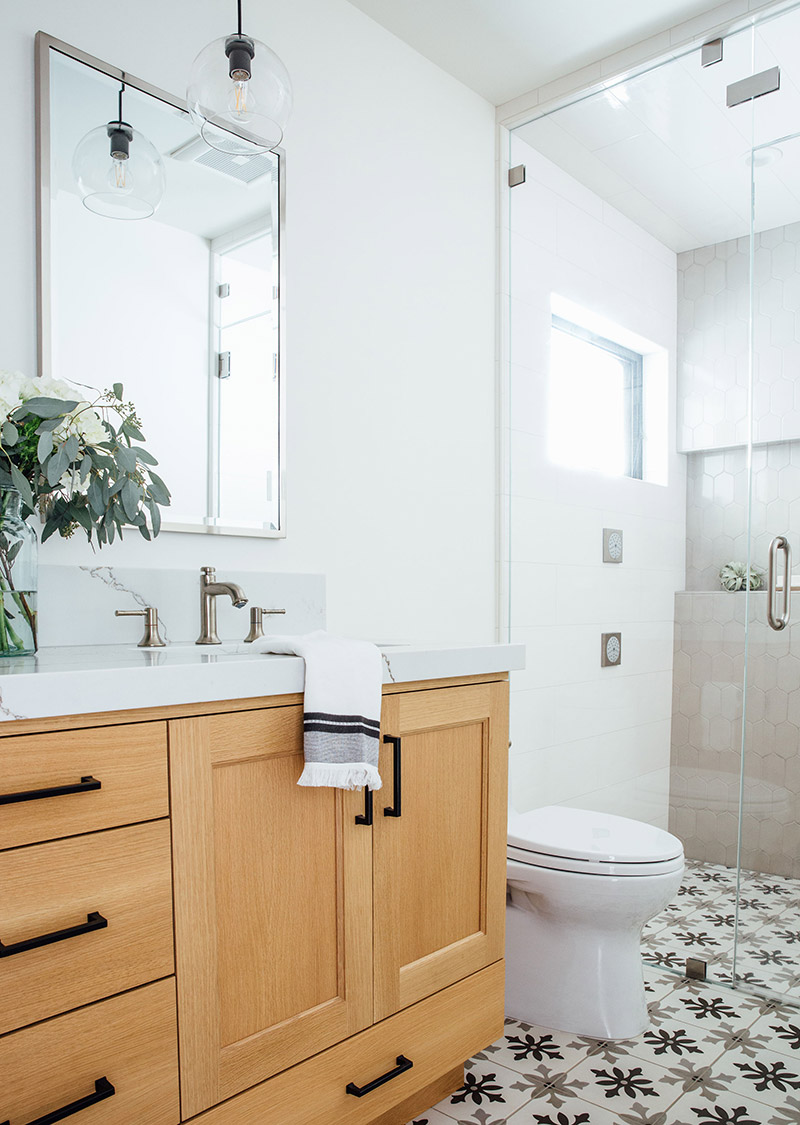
(19,548)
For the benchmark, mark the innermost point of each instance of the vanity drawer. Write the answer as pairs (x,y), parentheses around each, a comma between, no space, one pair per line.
(123,877)
(129,1041)
(129,762)
(437,1035)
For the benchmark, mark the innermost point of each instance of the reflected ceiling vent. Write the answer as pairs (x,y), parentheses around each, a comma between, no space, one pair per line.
(245,169)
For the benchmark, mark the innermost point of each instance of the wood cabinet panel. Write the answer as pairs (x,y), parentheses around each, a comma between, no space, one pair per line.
(125,876)
(130,762)
(437,1034)
(131,1040)
(273,904)
(439,868)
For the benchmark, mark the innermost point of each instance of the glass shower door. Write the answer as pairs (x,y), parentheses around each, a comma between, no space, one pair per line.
(767,953)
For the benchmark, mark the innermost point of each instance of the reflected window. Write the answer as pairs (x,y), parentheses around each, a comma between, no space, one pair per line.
(595,420)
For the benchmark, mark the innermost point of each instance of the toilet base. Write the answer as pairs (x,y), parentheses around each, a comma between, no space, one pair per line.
(582,981)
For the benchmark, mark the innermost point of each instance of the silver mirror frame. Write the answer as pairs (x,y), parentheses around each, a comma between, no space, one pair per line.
(44,45)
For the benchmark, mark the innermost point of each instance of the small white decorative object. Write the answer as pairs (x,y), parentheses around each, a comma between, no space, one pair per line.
(733,576)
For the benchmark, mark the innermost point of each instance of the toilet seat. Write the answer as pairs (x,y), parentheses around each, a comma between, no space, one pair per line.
(590,843)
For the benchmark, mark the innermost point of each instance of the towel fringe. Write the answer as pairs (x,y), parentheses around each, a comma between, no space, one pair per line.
(341,775)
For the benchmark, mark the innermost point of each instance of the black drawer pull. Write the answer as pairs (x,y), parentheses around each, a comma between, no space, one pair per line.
(403,1064)
(366,816)
(94,921)
(102,1090)
(397,808)
(83,786)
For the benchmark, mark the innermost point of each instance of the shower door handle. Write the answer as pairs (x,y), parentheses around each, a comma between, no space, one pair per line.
(779,543)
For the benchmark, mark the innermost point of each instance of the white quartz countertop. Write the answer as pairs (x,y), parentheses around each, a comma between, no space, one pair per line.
(89,679)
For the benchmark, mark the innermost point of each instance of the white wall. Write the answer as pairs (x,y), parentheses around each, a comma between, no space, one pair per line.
(389,286)
(584,735)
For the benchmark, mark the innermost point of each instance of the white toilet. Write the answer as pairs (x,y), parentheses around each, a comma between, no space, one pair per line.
(581,886)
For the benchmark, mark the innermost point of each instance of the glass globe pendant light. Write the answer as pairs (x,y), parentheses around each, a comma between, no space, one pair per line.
(239,94)
(120,174)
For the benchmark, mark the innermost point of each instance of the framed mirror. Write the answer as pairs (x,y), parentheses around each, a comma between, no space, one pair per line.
(184,304)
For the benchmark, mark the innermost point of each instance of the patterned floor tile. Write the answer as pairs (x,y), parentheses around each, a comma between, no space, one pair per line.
(727,1110)
(619,1084)
(696,1002)
(668,1041)
(432,1117)
(768,1078)
(490,1093)
(584,1113)
(781,1031)
(524,1045)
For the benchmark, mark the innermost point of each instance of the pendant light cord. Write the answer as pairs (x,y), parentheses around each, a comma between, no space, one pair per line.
(121,92)
(239,6)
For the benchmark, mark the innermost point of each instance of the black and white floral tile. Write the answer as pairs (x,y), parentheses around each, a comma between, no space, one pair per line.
(701,923)
(713,1056)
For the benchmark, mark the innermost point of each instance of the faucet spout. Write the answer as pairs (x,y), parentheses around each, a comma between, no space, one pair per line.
(210,590)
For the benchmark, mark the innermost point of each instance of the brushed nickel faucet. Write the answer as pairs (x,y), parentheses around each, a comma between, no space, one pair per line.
(210,590)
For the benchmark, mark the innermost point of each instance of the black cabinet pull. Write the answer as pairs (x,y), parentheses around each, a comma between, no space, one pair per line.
(403,1064)
(397,808)
(94,921)
(102,1090)
(366,816)
(83,786)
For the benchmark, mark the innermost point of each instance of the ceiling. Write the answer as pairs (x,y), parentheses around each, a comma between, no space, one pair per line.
(504,48)
(664,149)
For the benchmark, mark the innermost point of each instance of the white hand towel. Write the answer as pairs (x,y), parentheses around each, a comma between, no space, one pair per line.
(342,707)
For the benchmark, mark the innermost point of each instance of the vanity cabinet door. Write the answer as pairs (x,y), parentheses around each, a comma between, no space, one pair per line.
(439,867)
(273,904)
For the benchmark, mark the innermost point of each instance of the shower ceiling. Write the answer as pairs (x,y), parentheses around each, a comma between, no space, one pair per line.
(665,151)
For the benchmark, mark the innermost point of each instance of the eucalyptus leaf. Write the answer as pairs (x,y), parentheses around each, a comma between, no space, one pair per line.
(126,458)
(118,390)
(45,447)
(49,407)
(86,466)
(145,534)
(49,424)
(10,433)
(130,499)
(144,455)
(22,487)
(56,466)
(155,515)
(94,494)
(72,446)
(159,490)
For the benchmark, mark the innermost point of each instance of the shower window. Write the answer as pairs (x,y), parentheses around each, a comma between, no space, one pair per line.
(595,402)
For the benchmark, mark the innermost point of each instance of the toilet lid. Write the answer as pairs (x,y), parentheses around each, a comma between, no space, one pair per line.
(590,836)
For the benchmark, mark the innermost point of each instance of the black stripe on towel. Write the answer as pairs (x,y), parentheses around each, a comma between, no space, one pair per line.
(326,716)
(332,728)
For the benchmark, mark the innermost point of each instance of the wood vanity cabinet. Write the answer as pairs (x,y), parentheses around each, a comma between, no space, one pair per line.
(319,945)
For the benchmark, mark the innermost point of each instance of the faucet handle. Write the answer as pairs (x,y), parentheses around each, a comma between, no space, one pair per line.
(257,622)
(151,637)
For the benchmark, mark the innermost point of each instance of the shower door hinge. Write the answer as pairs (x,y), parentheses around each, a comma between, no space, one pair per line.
(516,175)
(767,82)
(223,365)
(711,52)
(695,968)
(224,290)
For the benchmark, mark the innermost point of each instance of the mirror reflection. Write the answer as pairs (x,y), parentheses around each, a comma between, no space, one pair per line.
(181,306)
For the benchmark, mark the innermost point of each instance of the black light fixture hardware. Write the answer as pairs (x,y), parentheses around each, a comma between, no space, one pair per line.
(403,1064)
(94,921)
(85,785)
(397,807)
(102,1090)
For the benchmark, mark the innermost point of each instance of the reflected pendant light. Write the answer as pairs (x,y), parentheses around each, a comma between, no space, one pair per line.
(120,174)
(239,94)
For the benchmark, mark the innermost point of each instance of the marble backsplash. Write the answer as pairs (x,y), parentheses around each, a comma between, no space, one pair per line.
(76,604)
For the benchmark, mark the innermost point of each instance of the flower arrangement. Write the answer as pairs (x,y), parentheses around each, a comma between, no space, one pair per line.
(74,459)
(733,576)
